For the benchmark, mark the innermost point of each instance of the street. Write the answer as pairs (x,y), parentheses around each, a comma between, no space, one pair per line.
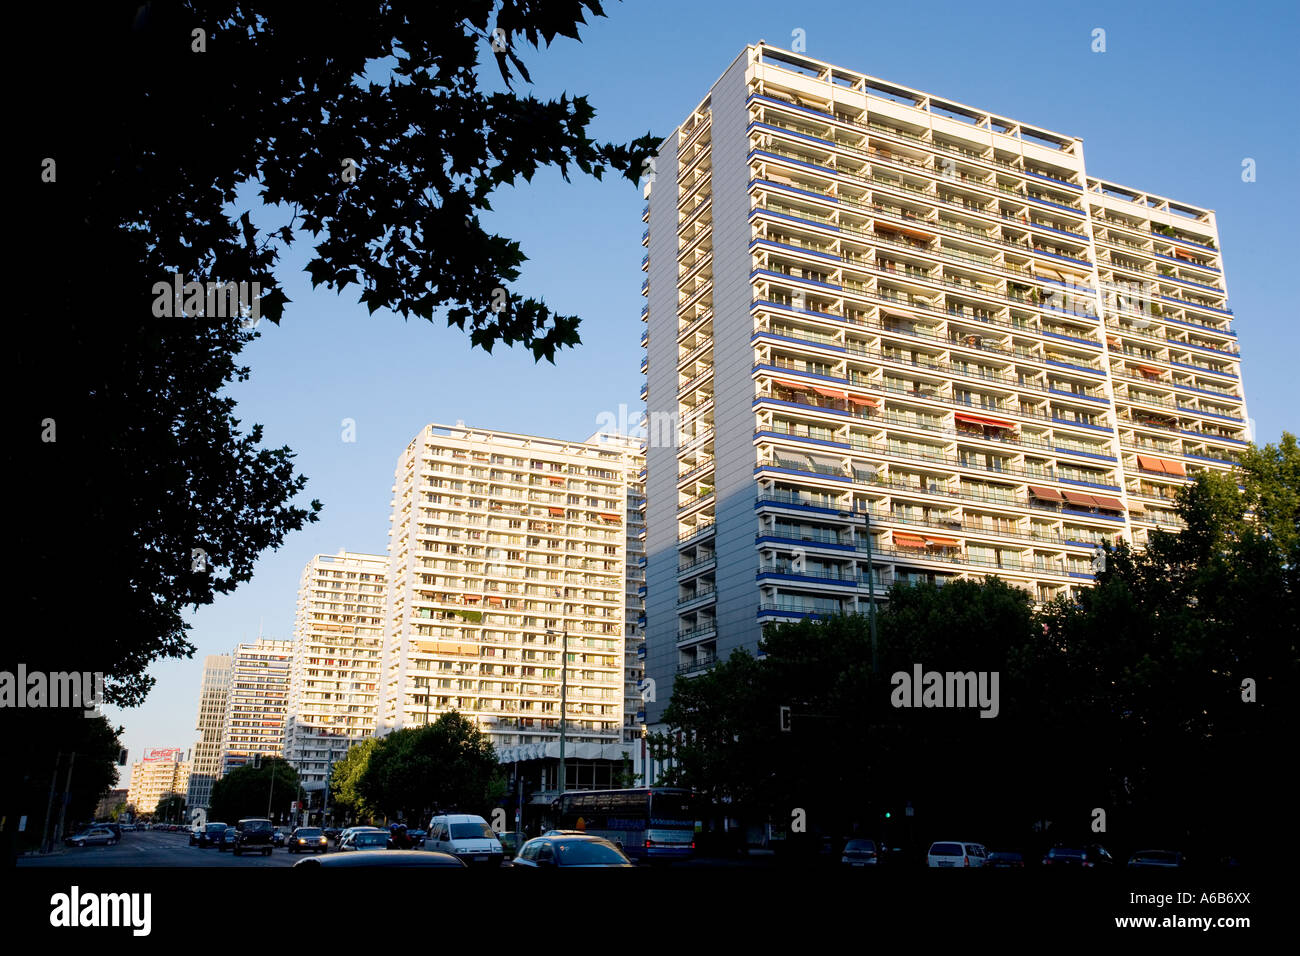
(154,848)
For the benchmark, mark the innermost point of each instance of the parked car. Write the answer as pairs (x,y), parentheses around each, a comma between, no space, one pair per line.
(858,852)
(465,835)
(511,841)
(956,853)
(227,840)
(386,858)
(1156,859)
(365,838)
(1087,857)
(549,852)
(211,835)
(307,840)
(92,836)
(1005,860)
(253,835)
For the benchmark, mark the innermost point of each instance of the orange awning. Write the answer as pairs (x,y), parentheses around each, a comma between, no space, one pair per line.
(941,542)
(558,512)
(1115,342)
(1145,369)
(909,540)
(1047,494)
(786,383)
(977,420)
(495,601)
(1079,498)
(555,480)
(1110,504)
(829,392)
(1161,465)
(863,400)
(608,516)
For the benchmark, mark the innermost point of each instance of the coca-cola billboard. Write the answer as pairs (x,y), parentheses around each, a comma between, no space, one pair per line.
(164,753)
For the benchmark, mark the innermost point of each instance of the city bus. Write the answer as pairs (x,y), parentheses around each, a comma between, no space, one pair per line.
(649,823)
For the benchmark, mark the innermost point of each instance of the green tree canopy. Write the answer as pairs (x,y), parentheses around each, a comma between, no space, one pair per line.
(247,790)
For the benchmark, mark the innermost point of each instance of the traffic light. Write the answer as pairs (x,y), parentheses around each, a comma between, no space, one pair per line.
(257,761)
(785,718)
(888,814)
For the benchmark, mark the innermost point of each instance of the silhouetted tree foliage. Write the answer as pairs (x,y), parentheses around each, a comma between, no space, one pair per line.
(1134,700)
(247,790)
(154,117)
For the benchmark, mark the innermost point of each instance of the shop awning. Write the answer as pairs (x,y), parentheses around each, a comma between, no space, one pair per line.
(909,540)
(979,420)
(1110,504)
(1079,498)
(1046,494)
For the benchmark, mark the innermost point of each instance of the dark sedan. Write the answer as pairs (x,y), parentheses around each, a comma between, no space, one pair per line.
(1005,860)
(1156,859)
(569,851)
(210,835)
(860,853)
(1085,857)
(308,840)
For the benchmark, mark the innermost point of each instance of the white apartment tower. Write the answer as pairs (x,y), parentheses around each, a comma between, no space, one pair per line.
(206,756)
(503,546)
(868,300)
(337,646)
(257,701)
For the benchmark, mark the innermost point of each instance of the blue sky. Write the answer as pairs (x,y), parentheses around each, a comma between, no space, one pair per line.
(1184,92)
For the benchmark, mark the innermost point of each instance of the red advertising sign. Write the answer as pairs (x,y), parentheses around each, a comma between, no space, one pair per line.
(164,753)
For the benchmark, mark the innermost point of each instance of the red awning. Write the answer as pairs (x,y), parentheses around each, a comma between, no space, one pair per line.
(1110,504)
(977,420)
(608,516)
(1047,494)
(558,512)
(909,540)
(829,392)
(941,542)
(864,400)
(1079,498)
(555,480)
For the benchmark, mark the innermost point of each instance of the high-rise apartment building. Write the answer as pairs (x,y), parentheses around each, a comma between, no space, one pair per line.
(257,701)
(338,642)
(156,778)
(865,300)
(500,546)
(211,725)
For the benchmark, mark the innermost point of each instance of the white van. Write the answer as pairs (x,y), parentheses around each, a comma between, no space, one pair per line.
(466,836)
(956,853)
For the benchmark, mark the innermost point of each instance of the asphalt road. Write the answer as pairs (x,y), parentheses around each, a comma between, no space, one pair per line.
(155,848)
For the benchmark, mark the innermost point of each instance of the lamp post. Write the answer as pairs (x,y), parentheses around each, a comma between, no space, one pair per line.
(564,696)
(871,588)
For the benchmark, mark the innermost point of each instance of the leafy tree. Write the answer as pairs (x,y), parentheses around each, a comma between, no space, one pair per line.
(146,151)
(448,765)
(346,777)
(170,809)
(246,790)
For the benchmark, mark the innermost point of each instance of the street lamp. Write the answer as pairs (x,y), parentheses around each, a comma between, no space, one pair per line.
(871,585)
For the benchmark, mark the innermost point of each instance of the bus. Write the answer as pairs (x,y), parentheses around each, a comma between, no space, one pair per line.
(648,823)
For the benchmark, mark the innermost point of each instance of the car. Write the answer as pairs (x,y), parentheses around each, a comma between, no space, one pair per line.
(115,827)
(195,833)
(253,835)
(307,840)
(860,852)
(467,836)
(1005,860)
(227,839)
(1156,859)
(387,858)
(417,837)
(365,838)
(569,851)
(92,836)
(278,836)
(511,841)
(332,834)
(1086,856)
(211,835)
(946,853)
(342,834)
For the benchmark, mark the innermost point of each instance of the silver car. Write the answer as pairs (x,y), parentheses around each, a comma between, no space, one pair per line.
(94,836)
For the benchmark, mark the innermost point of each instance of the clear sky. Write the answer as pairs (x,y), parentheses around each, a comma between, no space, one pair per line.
(1183,93)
